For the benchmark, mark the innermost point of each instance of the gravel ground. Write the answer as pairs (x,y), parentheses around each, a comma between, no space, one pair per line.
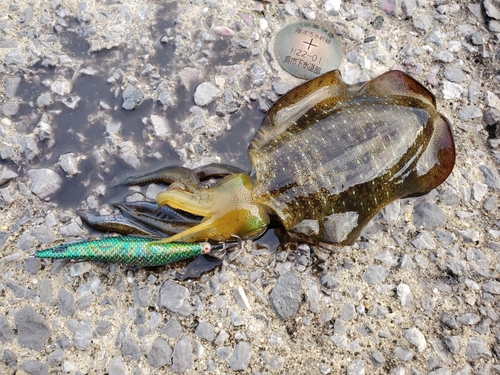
(418,294)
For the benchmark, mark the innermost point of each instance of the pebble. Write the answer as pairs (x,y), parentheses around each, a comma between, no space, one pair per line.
(206,93)
(451,90)
(241,298)
(307,13)
(468,113)
(11,86)
(403,354)
(182,357)
(491,177)
(32,330)
(174,298)
(69,164)
(476,349)
(66,303)
(405,295)
(469,235)
(415,337)
(82,333)
(10,108)
(132,97)
(130,348)
(160,353)
(61,87)
(44,182)
(452,343)
(44,100)
(172,329)
(492,286)
(205,331)
(491,10)
(427,215)
(223,31)
(422,22)
(375,274)
(34,367)
(160,125)
(281,88)
(357,367)
(377,358)
(286,294)
(56,357)
(424,241)
(240,358)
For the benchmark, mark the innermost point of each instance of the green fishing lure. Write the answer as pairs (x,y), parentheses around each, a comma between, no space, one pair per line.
(139,251)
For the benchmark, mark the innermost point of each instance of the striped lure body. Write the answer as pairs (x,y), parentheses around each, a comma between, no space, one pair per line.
(137,251)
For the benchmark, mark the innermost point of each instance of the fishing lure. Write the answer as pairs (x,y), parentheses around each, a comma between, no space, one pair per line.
(139,251)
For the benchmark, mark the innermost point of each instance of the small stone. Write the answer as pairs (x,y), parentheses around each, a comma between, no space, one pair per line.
(240,358)
(468,113)
(132,97)
(160,125)
(492,286)
(307,13)
(451,90)
(286,294)
(479,190)
(348,312)
(44,100)
(491,10)
(357,367)
(491,177)
(117,367)
(332,5)
(469,235)
(428,216)
(189,77)
(69,164)
(182,358)
(423,22)
(257,74)
(405,295)
(340,341)
(408,7)
(34,367)
(10,108)
(476,349)
(492,100)
(174,297)
(223,31)
(491,116)
(205,331)
(32,330)
(30,147)
(449,321)
(206,93)
(66,303)
(61,87)
(387,258)
(6,332)
(377,358)
(415,337)
(452,343)
(160,353)
(424,241)
(468,319)
(281,88)
(56,357)
(44,182)
(375,274)
(130,348)
(11,86)
(454,74)
(241,298)
(172,329)
(403,354)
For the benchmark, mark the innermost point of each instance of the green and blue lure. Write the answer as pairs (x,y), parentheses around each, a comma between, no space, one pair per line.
(139,251)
